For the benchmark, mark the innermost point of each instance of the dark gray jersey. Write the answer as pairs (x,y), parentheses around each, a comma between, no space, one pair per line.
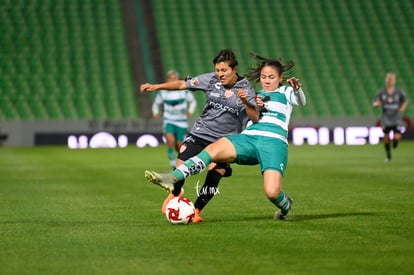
(390,105)
(224,113)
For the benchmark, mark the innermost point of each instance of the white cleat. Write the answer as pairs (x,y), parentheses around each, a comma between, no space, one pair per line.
(165,181)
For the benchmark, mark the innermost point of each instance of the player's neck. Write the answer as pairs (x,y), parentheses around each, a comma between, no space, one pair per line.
(390,89)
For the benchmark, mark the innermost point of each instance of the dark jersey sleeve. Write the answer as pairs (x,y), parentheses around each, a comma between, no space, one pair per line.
(403,99)
(378,96)
(199,82)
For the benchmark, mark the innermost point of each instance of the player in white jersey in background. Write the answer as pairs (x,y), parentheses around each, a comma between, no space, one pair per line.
(224,113)
(177,107)
(393,103)
(264,142)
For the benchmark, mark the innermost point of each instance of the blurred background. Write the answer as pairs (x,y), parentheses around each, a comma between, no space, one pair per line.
(73,68)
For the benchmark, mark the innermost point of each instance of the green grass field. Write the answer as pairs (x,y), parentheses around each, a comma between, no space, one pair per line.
(92,212)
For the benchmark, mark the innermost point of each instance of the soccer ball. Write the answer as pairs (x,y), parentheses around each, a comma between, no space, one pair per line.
(180,211)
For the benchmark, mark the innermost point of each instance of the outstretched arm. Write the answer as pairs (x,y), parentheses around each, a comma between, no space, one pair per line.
(170,86)
(402,107)
(300,98)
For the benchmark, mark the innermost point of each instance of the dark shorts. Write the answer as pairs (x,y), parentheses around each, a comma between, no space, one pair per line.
(395,128)
(193,145)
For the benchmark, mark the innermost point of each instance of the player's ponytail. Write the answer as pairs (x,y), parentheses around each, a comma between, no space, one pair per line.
(285,68)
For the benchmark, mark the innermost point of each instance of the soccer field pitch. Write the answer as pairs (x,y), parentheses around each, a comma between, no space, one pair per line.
(91,212)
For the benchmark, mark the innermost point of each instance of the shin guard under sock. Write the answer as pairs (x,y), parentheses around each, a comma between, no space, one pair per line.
(388,150)
(395,144)
(209,189)
(177,187)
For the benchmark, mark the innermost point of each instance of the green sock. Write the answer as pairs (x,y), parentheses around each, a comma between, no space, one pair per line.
(281,202)
(192,166)
(171,156)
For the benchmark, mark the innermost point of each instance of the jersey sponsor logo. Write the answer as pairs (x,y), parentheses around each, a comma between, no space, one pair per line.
(194,82)
(218,85)
(183,148)
(215,94)
(228,93)
(220,106)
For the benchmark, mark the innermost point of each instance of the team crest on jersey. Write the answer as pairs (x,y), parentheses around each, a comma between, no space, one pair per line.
(183,148)
(228,93)
(194,81)
(390,100)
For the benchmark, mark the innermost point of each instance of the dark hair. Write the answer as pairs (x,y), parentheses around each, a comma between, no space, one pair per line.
(285,68)
(226,55)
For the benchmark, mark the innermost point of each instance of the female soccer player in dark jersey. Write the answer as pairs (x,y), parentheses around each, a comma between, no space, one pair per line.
(224,114)
(393,103)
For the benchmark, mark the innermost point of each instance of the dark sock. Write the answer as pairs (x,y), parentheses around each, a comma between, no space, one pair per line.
(177,187)
(387,149)
(395,144)
(208,190)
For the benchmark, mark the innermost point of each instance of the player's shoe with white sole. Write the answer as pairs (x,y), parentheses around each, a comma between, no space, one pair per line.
(281,215)
(165,181)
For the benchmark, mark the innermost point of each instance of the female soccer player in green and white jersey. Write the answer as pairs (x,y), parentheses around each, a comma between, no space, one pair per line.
(264,142)
(178,106)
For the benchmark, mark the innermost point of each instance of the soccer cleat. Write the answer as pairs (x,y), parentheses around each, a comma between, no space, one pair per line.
(165,181)
(197,217)
(387,160)
(281,215)
(168,199)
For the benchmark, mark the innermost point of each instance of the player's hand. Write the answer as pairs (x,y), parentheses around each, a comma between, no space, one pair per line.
(242,95)
(294,83)
(259,101)
(189,115)
(157,116)
(147,87)
(377,103)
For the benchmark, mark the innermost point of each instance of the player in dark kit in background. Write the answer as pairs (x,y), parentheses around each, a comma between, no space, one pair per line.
(393,103)
(224,114)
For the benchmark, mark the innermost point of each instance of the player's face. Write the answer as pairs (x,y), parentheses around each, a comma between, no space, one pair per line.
(172,77)
(226,74)
(270,78)
(390,80)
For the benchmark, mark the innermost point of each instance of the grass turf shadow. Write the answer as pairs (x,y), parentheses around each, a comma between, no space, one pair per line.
(298,218)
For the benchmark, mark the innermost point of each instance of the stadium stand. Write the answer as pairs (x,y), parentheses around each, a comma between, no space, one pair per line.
(64,60)
(343,48)
(67,60)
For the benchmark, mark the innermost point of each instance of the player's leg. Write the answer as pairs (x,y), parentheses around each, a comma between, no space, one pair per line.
(190,147)
(387,143)
(275,194)
(245,152)
(220,151)
(209,188)
(177,192)
(170,141)
(273,167)
(397,136)
(179,134)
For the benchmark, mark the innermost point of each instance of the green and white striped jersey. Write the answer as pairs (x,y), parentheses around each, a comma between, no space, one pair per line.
(275,115)
(175,105)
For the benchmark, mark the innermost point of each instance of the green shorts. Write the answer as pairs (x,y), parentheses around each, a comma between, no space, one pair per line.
(178,132)
(270,153)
